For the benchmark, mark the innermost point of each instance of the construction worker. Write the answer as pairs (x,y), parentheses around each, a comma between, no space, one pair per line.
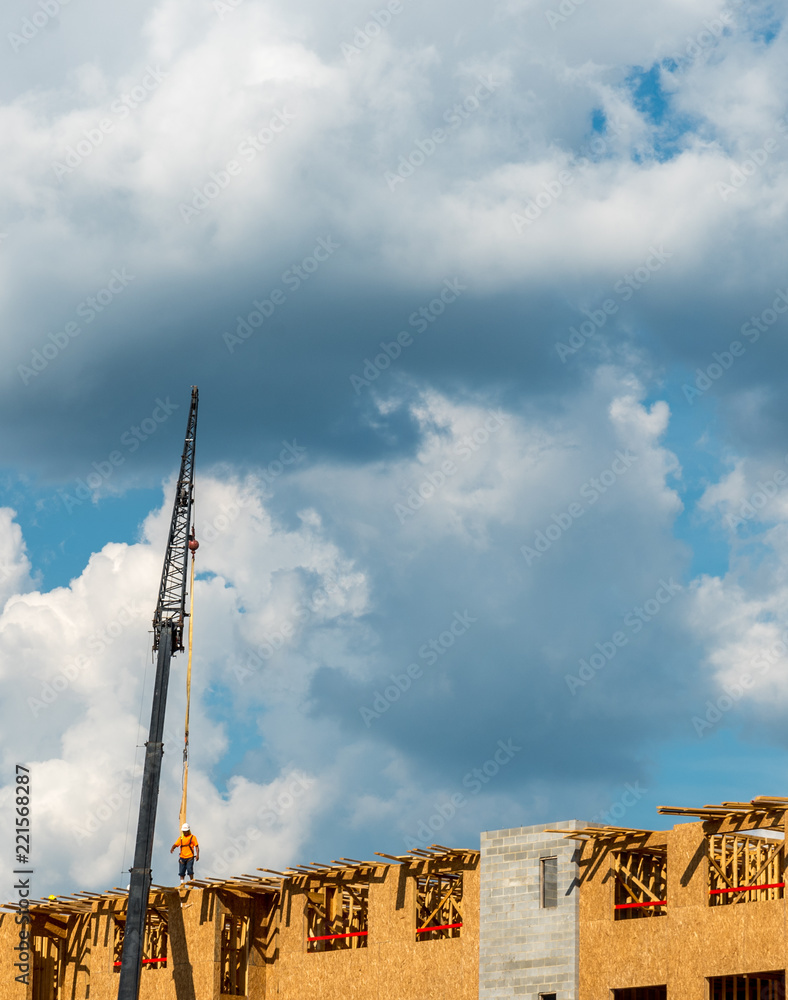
(189,853)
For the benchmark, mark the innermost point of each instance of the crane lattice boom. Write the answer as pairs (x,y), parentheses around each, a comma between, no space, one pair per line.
(167,639)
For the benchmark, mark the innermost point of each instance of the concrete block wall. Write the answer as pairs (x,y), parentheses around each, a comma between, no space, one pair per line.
(526,950)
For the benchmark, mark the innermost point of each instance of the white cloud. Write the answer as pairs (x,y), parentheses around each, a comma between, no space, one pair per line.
(14,563)
(75,668)
(225,78)
(739,617)
(287,618)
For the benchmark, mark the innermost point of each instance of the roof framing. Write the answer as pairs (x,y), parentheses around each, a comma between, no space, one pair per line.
(435,858)
(764,812)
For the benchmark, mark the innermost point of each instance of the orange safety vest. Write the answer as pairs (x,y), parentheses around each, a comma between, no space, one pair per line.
(187,845)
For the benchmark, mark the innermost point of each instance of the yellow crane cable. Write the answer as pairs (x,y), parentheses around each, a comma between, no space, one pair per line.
(188,701)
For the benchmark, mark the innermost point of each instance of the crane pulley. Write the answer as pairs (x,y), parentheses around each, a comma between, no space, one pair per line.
(168,622)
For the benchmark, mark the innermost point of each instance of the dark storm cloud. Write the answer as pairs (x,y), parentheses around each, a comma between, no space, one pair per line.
(490,226)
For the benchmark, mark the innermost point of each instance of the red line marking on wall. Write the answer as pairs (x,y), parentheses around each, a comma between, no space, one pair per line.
(333,937)
(629,906)
(747,888)
(147,961)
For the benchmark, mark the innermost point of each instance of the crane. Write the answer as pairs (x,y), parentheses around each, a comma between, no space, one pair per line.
(168,624)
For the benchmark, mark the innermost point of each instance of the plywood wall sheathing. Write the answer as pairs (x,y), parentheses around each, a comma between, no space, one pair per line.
(700,939)
(248,933)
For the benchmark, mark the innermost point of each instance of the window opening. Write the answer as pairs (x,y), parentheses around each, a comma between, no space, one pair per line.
(642,993)
(548,882)
(744,869)
(48,954)
(336,917)
(438,906)
(641,885)
(234,955)
(755,986)
(154,943)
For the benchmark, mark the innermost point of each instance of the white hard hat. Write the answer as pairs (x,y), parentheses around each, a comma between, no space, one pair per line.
(185,827)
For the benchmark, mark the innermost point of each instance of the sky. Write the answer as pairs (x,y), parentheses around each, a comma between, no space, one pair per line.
(487,308)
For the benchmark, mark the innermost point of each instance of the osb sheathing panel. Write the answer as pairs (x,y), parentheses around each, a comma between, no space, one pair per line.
(393,965)
(76,971)
(690,943)
(9,936)
(191,952)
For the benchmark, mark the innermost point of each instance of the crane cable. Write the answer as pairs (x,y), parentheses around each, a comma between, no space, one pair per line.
(185,782)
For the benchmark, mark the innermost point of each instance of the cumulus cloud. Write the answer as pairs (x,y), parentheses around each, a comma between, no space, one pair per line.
(14,562)
(300,635)
(739,615)
(468,530)
(77,659)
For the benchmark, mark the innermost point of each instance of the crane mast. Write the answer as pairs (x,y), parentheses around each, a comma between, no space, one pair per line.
(168,624)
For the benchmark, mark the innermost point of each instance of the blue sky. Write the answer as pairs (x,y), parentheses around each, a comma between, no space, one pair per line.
(485,306)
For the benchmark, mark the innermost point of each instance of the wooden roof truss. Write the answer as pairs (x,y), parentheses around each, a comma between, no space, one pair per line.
(765,812)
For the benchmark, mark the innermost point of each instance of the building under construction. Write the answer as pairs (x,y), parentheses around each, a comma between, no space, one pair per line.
(569,911)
